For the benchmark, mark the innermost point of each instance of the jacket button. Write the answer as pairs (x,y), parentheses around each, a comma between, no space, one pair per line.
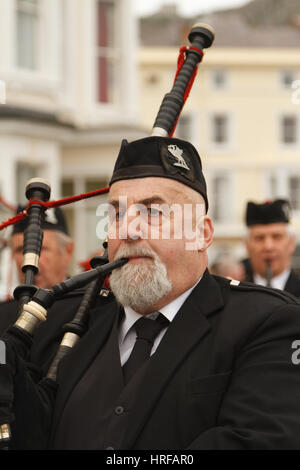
(119,410)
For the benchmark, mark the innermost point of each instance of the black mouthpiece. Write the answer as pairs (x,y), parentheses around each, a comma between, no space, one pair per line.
(46,297)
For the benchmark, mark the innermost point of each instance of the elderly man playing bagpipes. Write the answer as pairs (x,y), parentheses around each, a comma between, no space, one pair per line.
(179,359)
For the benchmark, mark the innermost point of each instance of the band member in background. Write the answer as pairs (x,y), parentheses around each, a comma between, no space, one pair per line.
(55,259)
(57,250)
(270,244)
(180,359)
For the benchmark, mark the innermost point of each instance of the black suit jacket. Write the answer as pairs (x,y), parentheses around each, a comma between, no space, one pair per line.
(292,284)
(222,377)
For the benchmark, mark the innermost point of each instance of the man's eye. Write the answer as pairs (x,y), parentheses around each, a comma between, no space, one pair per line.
(153,212)
(155,215)
(120,214)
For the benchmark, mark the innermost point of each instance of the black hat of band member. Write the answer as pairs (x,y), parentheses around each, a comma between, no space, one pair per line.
(268,212)
(164,157)
(54,220)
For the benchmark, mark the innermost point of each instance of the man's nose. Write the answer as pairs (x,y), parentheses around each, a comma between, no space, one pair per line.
(134,231)
(268,243)
(132,227)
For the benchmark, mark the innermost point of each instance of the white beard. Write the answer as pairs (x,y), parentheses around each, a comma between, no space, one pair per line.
(140,285)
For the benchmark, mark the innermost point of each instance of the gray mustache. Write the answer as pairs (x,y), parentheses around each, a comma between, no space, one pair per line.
(127,252)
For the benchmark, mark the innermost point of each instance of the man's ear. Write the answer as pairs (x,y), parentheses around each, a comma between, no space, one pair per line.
(204,231)
(208,232)
(69,250)
(292,244)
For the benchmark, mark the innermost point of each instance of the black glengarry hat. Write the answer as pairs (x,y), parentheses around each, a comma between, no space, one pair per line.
(164,157)
(268,212)
(54,220)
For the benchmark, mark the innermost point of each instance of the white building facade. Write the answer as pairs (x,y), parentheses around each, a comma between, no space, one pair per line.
(243,116)
(68,76)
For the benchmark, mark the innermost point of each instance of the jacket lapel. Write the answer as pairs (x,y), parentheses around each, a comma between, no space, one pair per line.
(293,284)
(77,361)
(189,327)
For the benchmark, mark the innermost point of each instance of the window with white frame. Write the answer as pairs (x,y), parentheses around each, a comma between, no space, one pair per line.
(289,129)
(219,79)
(27,25)
(273,186)
(184,127)
(24,172)
(220,128)
(294,192)
(92,219)
(284,183)
(220,193)
(107,51)
(82,218)
(287,77)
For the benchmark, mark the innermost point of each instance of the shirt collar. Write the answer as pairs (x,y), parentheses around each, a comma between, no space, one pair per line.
(169,311)
(278,282)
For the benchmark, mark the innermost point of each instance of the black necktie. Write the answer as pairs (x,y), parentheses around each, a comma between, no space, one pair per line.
(146,331)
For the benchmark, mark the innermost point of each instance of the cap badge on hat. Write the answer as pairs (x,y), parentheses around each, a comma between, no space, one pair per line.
(50,216)
(176,160)
(177,154)
(286,210)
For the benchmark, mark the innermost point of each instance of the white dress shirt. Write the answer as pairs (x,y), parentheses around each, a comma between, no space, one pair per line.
(127,334)
(277,282)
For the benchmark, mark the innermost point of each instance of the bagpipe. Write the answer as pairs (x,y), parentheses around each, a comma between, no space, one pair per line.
(34,303)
